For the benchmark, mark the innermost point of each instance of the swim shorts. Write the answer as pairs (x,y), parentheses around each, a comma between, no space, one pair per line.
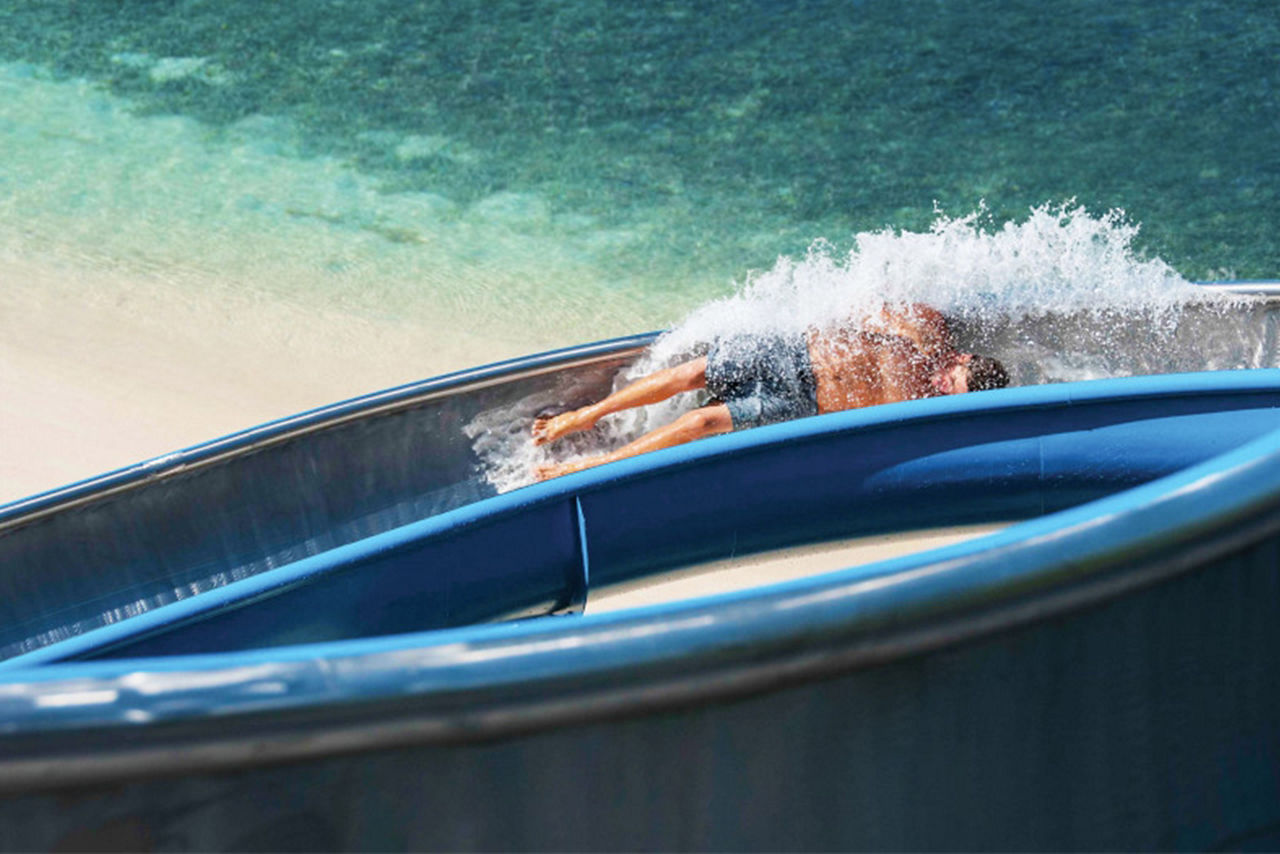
(763,379)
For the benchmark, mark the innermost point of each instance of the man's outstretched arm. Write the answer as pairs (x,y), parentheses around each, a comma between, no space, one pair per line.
(707,421)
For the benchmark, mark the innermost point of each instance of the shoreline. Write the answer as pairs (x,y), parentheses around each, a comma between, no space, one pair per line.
(101,370)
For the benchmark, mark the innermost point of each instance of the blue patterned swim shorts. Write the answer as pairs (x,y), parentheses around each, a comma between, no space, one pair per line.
(763,379)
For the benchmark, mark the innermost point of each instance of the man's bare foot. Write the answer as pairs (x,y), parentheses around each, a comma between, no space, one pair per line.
(548,428)
(546,471)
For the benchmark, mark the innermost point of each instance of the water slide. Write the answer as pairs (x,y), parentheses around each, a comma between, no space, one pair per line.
(336,631)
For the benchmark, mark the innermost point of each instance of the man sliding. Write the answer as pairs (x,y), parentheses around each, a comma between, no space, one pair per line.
(898,354)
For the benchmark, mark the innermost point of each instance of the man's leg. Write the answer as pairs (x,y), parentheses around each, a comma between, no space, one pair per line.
(657,386)
(707,421)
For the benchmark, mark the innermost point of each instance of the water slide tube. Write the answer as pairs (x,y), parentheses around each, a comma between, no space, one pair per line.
(263,642)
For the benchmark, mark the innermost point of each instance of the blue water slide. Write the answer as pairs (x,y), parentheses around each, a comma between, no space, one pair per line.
(293,639)
(1011,455)
(1098,677)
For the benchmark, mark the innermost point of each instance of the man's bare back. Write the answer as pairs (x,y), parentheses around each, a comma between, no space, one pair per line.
(891,357)
(898,354)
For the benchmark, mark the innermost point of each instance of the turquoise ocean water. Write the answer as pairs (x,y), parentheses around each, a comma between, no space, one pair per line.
(553,172)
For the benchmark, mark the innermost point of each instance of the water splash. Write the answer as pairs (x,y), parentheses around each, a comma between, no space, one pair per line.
(1060,296)
(1059,260)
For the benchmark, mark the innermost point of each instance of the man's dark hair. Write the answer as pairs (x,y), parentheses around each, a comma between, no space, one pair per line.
(986,373)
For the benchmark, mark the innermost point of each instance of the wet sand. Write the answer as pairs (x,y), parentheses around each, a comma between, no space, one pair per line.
(99,371)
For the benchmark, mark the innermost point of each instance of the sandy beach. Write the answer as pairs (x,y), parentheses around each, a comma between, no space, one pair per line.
(101,370)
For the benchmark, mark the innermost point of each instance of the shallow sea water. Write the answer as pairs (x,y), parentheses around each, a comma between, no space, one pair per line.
(556,172)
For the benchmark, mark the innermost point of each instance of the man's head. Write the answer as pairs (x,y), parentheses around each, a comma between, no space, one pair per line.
(969,372)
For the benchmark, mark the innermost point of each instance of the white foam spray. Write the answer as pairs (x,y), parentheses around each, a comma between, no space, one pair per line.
(1062,295)
(1059,260)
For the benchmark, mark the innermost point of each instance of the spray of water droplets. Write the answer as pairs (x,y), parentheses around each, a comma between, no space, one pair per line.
(1062,295)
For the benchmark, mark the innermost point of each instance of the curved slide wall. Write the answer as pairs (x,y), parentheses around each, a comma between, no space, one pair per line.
(98,552)
(1099,675)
